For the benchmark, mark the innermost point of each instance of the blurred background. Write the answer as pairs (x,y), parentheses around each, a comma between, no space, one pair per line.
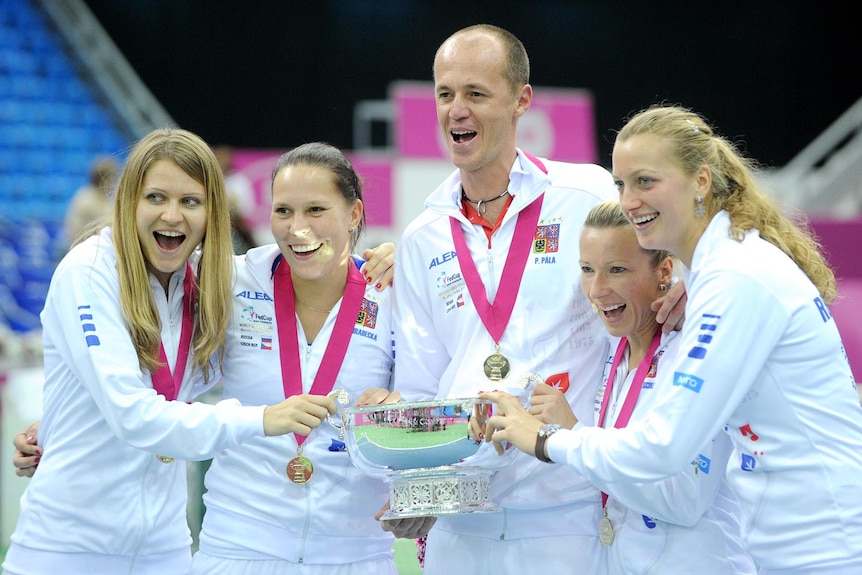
(80,81)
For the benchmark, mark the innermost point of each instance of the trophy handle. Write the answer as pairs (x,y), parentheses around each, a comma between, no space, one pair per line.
(528,383)
(342,399)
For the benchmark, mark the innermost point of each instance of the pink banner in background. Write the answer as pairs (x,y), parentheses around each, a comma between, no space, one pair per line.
(840,242)
(376,173)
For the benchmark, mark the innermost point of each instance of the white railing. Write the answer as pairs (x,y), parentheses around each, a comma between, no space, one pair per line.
(106,66)
(825,178)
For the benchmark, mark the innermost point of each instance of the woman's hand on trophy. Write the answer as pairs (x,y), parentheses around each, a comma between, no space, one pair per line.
(476,424)
(511,423)
(550,405)
(377,395)
(297,414)
(408,527)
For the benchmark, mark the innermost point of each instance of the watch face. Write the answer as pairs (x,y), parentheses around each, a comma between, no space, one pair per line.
(549,429)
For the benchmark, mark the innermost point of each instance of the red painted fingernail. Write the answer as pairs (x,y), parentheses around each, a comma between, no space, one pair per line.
(379,286)
(365,272)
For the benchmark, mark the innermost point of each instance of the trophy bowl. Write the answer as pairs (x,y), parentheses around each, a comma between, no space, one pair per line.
(422,448)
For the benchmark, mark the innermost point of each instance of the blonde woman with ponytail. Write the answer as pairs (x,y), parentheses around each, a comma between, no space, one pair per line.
(760,355)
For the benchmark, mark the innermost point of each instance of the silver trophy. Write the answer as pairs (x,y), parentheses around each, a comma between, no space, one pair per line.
(423,450)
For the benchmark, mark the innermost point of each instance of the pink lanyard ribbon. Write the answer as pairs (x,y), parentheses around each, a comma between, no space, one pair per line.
(519,250)
(634,391)
(166,383)
(288,346)
(496,316)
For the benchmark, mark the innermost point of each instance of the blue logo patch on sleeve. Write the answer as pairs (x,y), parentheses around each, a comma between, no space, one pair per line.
(687,381)
(87,325)
(709,325)
(649,522)
(748,462)
(697,352)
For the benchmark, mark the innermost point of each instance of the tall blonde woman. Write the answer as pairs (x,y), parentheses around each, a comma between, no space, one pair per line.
(761,357)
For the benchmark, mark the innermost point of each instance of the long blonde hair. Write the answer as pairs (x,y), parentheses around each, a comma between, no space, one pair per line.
(214,273)
(694,144)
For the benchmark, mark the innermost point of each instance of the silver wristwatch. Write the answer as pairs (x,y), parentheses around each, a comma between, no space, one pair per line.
(542,435)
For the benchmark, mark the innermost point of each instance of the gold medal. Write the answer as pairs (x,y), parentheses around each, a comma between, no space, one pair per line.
(299,469)
(496,366)
(165,459)
(606,529)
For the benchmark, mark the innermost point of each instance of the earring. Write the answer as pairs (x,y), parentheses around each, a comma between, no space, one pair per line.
(699,210)
(662,287)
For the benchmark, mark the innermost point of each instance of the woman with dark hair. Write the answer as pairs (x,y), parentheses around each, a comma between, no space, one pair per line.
(305,321)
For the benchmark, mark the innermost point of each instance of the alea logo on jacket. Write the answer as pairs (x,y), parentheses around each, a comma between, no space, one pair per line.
(256,295)
(442,258)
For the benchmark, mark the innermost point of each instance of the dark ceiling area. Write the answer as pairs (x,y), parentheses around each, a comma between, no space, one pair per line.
(273,73)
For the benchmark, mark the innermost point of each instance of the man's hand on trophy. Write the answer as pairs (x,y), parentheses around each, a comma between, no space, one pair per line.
(406,528)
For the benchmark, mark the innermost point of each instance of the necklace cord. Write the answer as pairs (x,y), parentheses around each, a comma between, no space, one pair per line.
(480,204)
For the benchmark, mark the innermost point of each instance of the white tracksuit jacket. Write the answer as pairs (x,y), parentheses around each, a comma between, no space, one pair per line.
(553,331)
(762,359)
(252,510)
(690,519)
(101,502)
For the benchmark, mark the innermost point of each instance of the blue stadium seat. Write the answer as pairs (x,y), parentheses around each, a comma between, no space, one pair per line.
(51,126)
(10,109)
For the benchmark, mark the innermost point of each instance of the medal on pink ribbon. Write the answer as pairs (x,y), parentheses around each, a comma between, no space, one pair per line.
(496,366)
(165,383)
(300,468)
(606,528)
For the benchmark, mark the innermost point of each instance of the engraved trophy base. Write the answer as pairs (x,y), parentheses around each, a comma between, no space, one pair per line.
(436,491)
(423,450)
